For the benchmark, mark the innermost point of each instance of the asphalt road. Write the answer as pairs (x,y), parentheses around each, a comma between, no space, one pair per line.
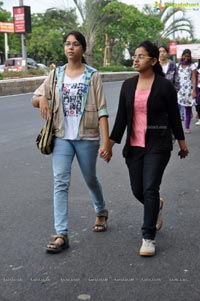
(97,266)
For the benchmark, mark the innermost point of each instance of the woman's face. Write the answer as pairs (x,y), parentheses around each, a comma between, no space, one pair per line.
(73,48)
(142,61)
(186,57)
(162,54)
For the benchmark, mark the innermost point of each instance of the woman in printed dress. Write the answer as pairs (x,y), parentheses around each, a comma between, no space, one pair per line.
(187,91)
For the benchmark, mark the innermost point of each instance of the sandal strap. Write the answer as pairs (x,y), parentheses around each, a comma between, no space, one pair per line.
(53,243)
(100,225)
(62,236)
(102,214)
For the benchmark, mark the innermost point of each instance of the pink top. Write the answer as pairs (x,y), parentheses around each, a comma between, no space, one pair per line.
(139,118)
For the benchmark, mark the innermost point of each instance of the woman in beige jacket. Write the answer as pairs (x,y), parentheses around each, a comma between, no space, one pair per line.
(79,112)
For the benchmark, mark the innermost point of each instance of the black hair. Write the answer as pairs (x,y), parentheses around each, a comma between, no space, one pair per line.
(165,47)
(153,52)
(79,37)
(198,66)
(186,51)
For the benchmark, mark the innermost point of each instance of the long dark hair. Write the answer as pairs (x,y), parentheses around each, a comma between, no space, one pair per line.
(198,66)
(79,37)
(153,52)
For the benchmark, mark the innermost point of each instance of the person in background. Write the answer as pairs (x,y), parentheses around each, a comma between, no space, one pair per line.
(52,65)
(76,133)
(169,67)
(187,91)
(148,109)
(198,93)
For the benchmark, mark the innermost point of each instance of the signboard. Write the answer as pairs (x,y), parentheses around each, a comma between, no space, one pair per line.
(19,19)
(173,48)
(195,50)
(6,27)
(22,19)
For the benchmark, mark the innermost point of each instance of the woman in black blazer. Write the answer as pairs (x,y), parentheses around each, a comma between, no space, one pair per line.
(149,111)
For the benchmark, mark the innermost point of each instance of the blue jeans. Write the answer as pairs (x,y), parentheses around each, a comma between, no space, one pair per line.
(64,151)
(187,115)
(182,112)
(146,171)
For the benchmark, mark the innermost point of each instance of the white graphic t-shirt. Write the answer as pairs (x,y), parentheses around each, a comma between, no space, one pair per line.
(72,100)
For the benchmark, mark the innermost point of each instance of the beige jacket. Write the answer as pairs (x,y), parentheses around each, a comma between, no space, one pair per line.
(93,105)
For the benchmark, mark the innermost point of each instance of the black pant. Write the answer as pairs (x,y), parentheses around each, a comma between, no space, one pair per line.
(146,171)
(198,109)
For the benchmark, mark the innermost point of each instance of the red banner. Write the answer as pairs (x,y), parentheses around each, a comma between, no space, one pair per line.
(172,47)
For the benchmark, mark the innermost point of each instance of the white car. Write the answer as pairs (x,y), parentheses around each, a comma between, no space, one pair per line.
(43,67)
(17,64)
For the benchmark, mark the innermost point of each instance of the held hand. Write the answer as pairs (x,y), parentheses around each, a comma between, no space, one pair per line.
(45,110)
(105,152)
(183,153)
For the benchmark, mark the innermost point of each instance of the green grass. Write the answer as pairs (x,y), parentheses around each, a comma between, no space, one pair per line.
(21,74)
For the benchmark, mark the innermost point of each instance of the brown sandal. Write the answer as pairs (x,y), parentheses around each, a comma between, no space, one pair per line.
(58,247)
(103,225)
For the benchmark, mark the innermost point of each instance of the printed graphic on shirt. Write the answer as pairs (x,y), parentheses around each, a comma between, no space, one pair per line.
(73,91)
(72,98)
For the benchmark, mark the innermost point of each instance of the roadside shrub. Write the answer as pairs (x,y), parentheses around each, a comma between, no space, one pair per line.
(127,63)
(22,74)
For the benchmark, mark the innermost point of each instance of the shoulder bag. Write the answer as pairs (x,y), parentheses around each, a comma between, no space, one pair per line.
(44,140)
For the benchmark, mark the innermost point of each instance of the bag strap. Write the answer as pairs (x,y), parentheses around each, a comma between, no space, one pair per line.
(53,90)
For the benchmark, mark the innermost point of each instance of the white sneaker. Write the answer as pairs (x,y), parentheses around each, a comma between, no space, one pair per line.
(159,222)
(148,247)
(198,122)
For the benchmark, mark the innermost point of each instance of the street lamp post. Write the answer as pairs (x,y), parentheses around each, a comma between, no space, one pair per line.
(23,41)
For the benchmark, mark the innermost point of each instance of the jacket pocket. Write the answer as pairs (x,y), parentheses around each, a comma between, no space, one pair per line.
(90,117)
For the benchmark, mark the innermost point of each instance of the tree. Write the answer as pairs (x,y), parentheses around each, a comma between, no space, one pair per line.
(4,17)
(124,25)
(127,27)
(92,22)
(45,43)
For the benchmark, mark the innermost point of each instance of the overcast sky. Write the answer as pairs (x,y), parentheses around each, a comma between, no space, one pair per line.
(42,5)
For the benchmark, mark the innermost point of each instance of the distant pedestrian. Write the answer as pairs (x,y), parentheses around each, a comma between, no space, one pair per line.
(149,110)
(198,94)
(187,91)
(52,65)
(169,67)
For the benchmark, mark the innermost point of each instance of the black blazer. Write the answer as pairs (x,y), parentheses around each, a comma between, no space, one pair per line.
(163,117)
